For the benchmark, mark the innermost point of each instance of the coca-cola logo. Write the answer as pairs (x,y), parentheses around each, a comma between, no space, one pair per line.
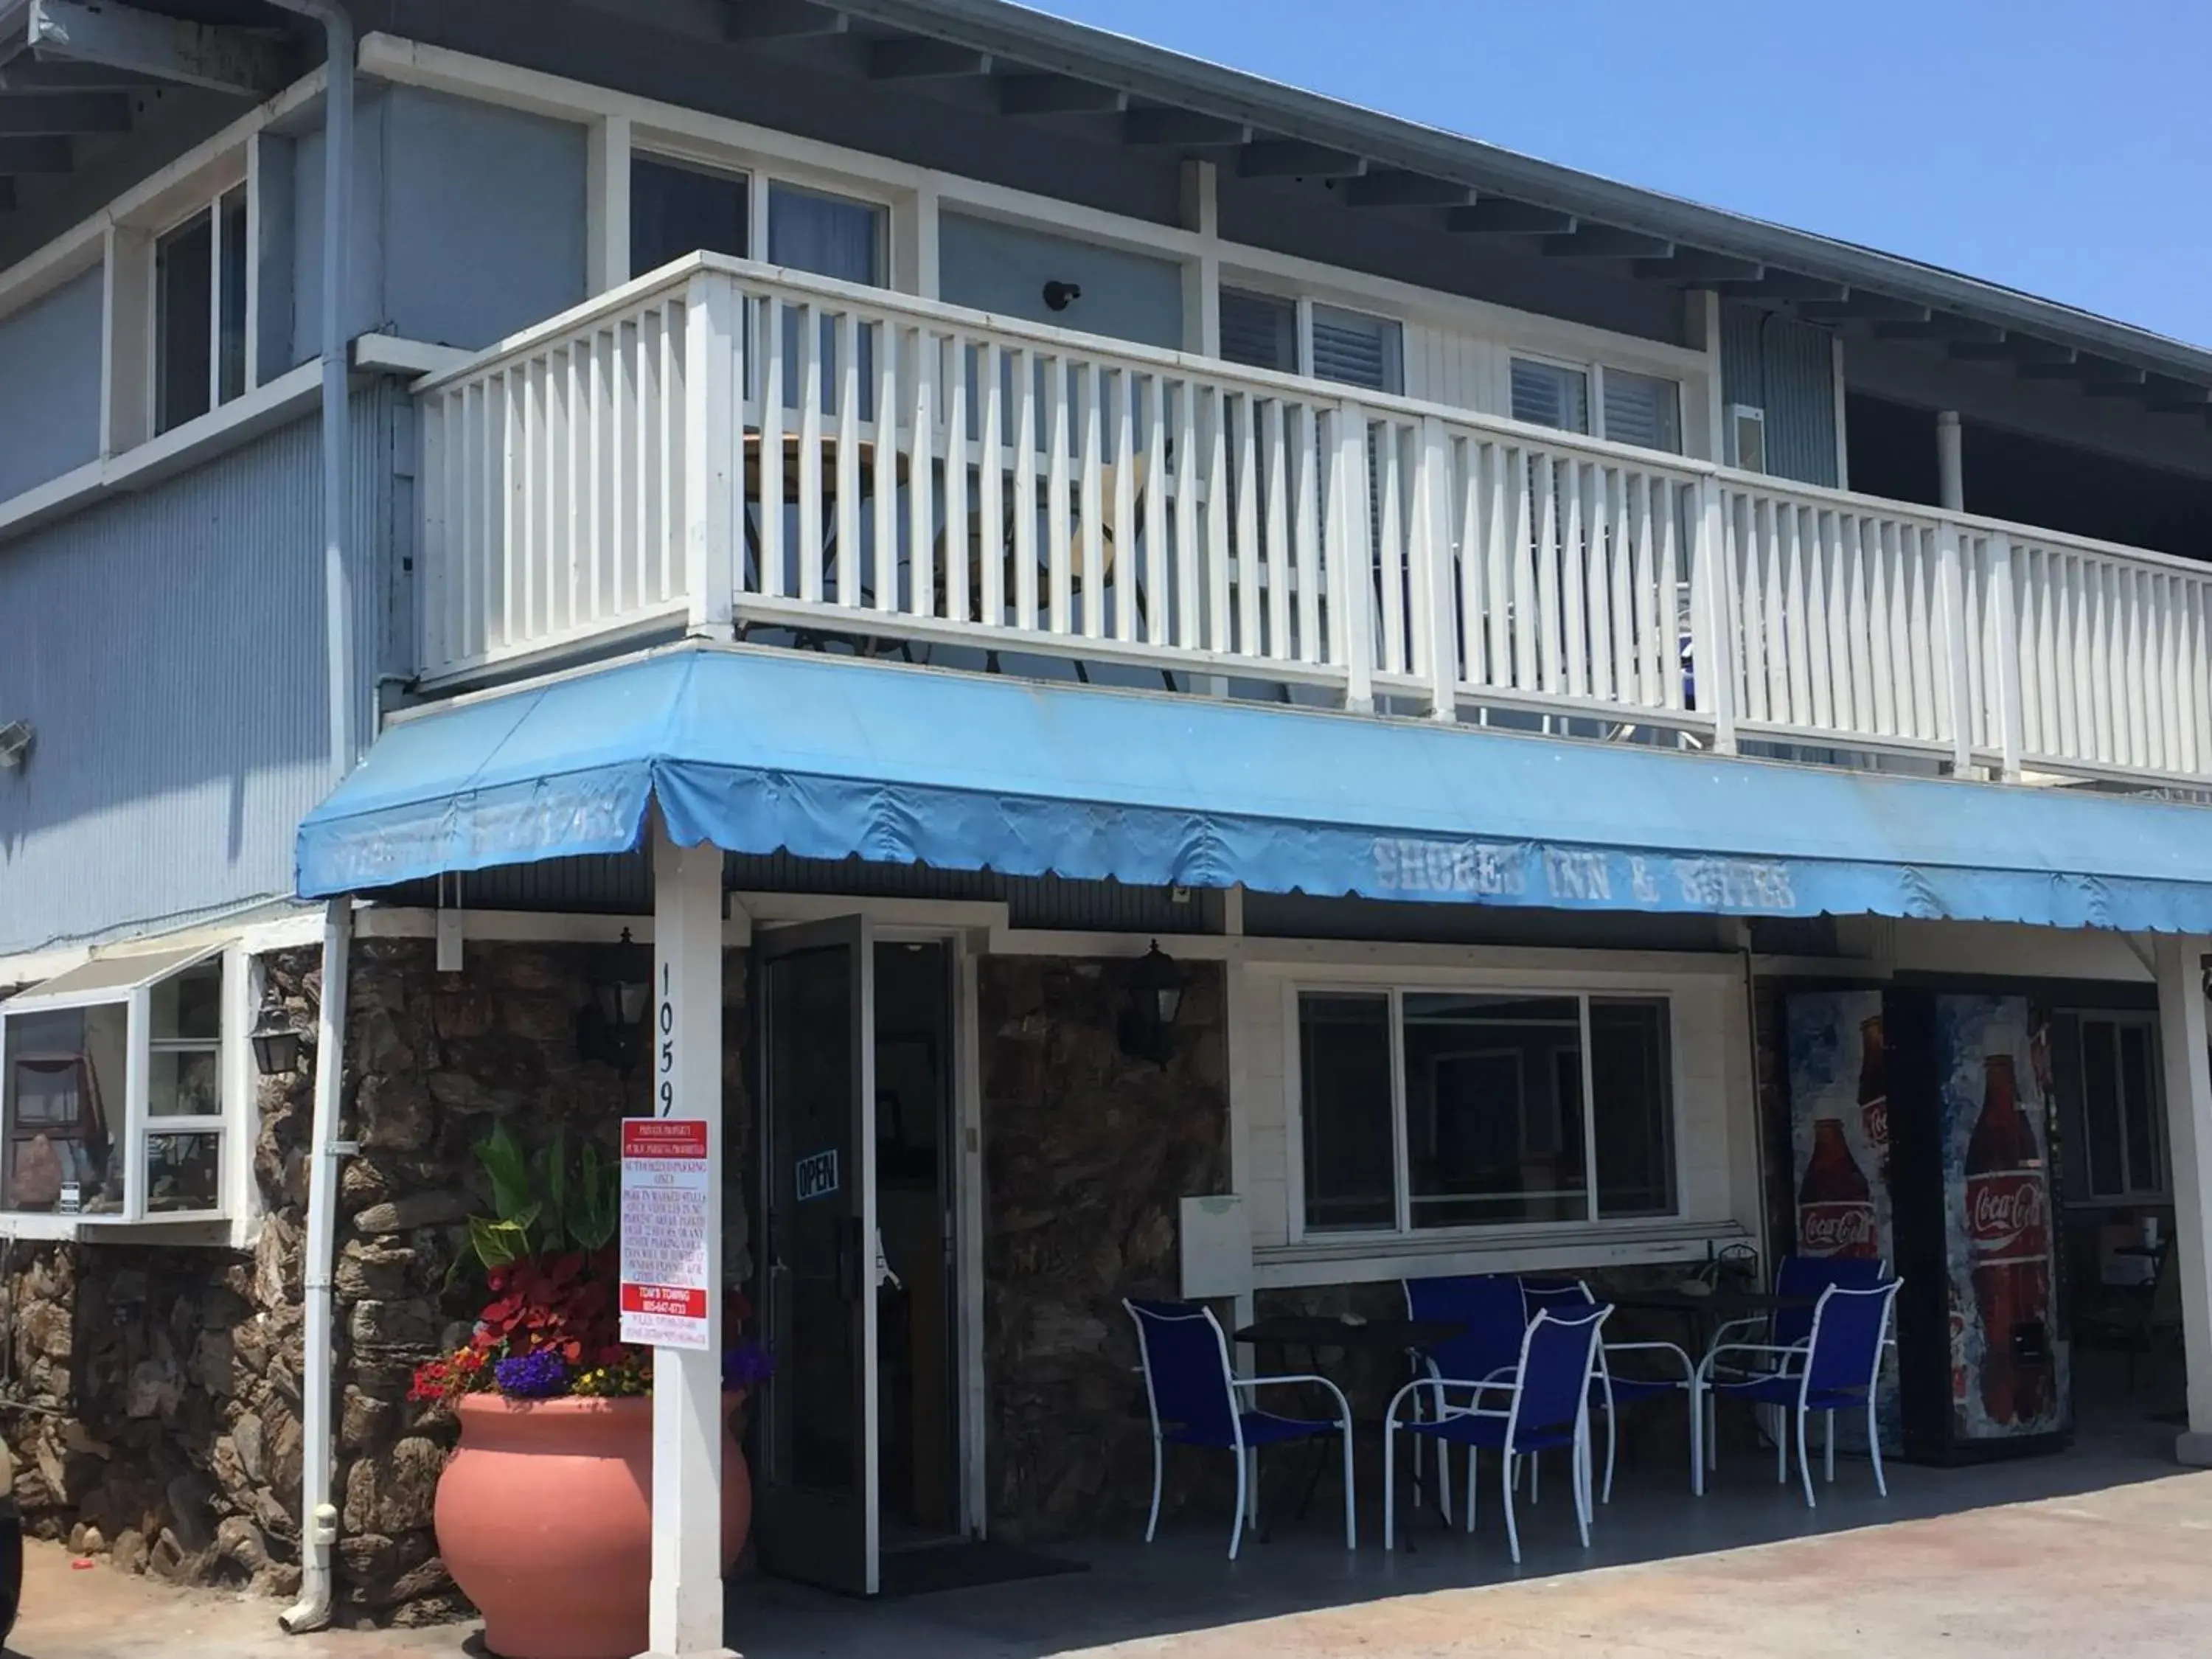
(1874,1113)
(1836,1229)
(2004,1210)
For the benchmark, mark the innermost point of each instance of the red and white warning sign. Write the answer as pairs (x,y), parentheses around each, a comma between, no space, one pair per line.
(664,1232)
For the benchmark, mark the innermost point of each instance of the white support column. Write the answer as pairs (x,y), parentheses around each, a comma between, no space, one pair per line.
(2182,1035)
(606,208)
(1950,462)
(713,416)
(686,1600)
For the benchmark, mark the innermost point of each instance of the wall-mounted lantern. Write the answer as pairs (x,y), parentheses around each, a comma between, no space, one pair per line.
(275,1045)
(610,1028)
(1058,296)
(1155,999)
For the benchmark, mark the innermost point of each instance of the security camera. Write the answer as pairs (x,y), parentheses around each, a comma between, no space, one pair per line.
(14,744)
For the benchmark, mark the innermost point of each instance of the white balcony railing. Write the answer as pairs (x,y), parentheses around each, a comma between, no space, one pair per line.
(938,477)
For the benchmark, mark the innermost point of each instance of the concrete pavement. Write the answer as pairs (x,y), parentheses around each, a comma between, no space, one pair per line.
(2111,1571)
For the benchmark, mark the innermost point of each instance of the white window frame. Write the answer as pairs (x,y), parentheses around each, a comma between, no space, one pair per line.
(212,208)
(1402,1235)
(233,1125)
(2133,1192)
(761,172)
(1302,298)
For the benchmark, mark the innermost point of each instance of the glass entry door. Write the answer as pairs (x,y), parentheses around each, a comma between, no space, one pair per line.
(815,1040)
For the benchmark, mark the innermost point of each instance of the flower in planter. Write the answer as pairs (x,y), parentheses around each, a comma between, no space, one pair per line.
(539,1376)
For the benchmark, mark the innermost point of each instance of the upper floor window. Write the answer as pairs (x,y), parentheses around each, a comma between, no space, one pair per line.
(1644,410)
(1427,1111)
(200,285)
(113,1092)
(675,210)
(1350,347)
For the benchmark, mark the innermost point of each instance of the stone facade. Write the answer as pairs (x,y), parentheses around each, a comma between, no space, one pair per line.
(1087,1153)
(153,1394)
(437,1060)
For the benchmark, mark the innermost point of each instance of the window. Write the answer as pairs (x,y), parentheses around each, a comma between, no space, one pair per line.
(199,313)
(1428,1111)
(1550,394)
(1644,410)
(2110,1062)
(112,1099)
(1350,347)
(829,235)
(677,210)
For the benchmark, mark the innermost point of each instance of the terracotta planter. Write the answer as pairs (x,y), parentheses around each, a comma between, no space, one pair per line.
(545,1518)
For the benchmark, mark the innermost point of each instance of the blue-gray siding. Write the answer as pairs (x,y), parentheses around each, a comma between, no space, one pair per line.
(1787,368)
(174,673)
(1004,268)
(50,361)
(468,222)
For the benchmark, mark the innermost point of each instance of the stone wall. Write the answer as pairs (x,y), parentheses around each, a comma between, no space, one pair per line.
(151,1396)
(436,1061)
(1087,1152)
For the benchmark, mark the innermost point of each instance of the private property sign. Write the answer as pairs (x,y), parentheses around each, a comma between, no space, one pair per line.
(664,1232)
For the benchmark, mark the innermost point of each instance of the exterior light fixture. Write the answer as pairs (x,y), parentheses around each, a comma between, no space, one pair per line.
(15,744)
(610,1028)
(275,1045)
(1154,1001)
(1058,296)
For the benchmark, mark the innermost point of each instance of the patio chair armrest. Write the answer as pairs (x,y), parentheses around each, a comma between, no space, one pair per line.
(1720,1332)
(1444,1407)
(1689,1365)
(1788,1350)
(1306,1377)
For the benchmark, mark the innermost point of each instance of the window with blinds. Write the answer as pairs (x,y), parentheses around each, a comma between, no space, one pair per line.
(1259,331)
(1643,409)
(1550,394)
(1353,349)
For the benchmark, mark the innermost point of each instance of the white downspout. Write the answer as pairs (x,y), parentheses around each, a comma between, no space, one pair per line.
(318,1521)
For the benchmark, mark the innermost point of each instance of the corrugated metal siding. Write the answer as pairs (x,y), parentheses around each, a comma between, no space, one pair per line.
(1787,368)
(168,649)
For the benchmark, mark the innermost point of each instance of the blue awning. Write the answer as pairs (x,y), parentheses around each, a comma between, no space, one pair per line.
(826,758)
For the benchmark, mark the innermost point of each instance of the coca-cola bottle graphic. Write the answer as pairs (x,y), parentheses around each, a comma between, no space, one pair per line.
(1835,1206)
(1874,1094)
(2008,1242)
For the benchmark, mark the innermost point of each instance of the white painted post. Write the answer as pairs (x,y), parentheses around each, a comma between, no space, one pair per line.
(1712,614)
(713,325)
(606,202)
(2007,637)
(1950,462)
(1439,589)
(1352,561)
(2182,1035)
(1951,577)
(686,1599)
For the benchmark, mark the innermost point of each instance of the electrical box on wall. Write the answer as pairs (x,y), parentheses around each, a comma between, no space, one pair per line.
(1217,1248)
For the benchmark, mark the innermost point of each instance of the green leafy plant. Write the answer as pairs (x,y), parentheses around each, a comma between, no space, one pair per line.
(545,1205)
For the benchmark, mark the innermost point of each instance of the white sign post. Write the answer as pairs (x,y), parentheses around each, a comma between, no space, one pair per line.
(665,1244)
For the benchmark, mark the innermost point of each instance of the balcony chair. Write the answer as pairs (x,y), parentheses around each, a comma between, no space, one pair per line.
(1193,1395)
(1800,1279)
(1611,1391)
(1546,1407)
(1835,1369)
(1495,1319)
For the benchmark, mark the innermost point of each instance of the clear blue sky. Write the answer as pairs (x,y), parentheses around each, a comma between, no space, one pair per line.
(2064,146)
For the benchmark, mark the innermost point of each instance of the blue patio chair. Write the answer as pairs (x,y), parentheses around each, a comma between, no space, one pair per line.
(1193,1395)
(1493,1318)
(1798,1279)
(1547,1408)
(1835,1369)
(1612,1390)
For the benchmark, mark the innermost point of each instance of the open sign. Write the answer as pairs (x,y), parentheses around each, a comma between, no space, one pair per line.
(816,1175)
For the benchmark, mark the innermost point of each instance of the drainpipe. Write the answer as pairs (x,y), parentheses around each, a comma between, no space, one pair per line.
(317,1514)
(337,421)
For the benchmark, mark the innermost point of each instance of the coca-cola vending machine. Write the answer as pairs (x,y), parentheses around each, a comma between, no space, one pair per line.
(1921,1125)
